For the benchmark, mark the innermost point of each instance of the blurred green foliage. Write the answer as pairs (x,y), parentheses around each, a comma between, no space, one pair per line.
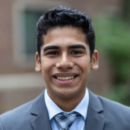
(125,10)
(113,37)
(120,93)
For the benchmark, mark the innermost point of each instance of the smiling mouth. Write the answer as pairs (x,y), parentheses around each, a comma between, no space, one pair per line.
(65,78)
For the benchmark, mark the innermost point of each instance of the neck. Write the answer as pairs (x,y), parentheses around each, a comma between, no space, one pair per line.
(68,103)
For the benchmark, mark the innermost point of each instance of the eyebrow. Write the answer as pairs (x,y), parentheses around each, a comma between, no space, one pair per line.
(50,47)
(70,47)
(77,46)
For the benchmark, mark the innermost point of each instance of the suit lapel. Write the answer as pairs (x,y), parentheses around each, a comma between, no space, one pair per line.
(40,115)
(41,123)
(95,119)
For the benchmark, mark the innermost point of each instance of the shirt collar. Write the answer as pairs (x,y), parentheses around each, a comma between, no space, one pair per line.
(53,109)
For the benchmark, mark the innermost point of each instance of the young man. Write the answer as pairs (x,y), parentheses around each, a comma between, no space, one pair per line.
(66,54)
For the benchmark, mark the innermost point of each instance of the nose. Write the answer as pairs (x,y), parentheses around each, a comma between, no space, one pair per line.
(65,62)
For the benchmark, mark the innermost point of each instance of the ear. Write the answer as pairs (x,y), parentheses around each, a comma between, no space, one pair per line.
(38,63)
(94,60)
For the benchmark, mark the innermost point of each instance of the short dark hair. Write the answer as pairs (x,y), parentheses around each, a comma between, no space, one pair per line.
(63,16)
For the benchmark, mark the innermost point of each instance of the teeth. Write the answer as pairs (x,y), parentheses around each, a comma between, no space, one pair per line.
(65,78)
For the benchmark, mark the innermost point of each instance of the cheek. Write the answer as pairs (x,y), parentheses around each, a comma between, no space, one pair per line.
(84,64)
(47,66)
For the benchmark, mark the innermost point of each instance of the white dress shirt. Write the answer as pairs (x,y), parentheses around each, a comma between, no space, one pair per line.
(81,108)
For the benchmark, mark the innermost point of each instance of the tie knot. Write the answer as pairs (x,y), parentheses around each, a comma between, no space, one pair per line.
(66,120)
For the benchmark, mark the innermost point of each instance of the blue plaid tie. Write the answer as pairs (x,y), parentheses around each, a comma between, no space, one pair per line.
(66,120)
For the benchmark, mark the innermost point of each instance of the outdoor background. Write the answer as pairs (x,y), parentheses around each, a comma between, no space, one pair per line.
(19,83)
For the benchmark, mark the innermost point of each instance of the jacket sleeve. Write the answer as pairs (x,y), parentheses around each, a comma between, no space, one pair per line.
(1,127)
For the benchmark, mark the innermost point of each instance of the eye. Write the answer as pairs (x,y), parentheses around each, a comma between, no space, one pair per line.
(53,53)
(76,52)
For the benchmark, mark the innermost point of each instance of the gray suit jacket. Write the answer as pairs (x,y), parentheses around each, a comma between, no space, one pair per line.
(103,114)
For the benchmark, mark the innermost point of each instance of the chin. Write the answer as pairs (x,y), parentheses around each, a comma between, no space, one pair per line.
(67,94)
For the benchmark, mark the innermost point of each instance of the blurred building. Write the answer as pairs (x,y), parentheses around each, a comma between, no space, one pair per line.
(18,81)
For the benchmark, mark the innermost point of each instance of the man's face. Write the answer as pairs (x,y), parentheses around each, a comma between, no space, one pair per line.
(65,62)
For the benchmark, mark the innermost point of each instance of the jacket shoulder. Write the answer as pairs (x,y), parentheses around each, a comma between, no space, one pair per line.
(19,116)
(116,112)
(112,105)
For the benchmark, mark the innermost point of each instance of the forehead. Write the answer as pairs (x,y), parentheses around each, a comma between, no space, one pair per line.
(62,36)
